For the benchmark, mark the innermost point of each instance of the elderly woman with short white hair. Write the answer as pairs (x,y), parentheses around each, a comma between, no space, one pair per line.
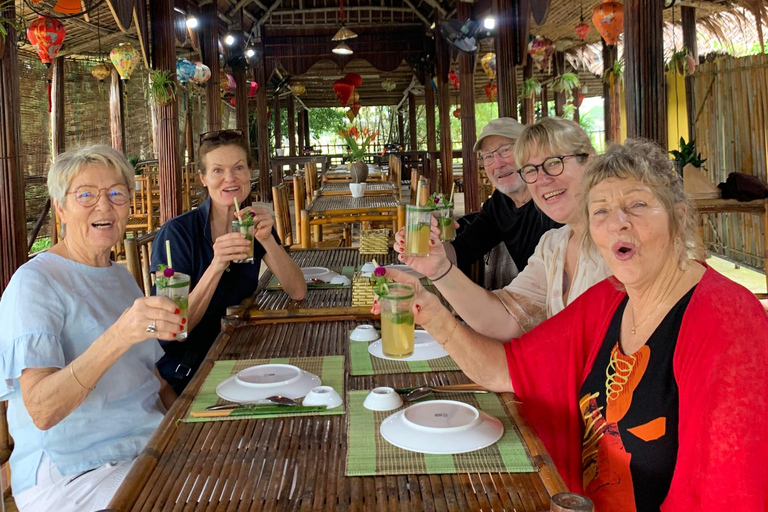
(78,347)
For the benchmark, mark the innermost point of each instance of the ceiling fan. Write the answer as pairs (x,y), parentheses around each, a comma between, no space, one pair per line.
(462,34)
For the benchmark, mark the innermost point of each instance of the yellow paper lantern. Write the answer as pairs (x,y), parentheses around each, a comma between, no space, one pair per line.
(125,58)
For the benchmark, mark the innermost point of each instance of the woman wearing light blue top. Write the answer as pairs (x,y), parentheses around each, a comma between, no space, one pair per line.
(78,347)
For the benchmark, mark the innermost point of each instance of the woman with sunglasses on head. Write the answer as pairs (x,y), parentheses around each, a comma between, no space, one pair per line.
(203,246)
(78,347)
(553,155)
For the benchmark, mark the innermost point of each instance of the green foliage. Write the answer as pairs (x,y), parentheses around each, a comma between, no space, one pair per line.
(531,88)
(7,22)
(162,86)
(134,161)
(617,72)
(41,244)
(678,61)
(687,154)
(566,83)
(325,121)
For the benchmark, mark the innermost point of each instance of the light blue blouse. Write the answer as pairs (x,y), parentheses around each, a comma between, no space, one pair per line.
(51,312)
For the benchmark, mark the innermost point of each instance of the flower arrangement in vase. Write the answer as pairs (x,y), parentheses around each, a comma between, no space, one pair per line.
(358,142)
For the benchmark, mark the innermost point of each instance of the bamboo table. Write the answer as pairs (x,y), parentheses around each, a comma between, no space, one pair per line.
(342,175)
(345,209)
(298,463)
(342,189)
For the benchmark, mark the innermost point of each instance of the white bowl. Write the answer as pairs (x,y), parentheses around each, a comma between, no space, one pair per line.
(322,395)
(318,273)
(258,382)
(425,348)
(383,399)
(357,189)
(364,333)
(441,427)
(368,267)
(340,279)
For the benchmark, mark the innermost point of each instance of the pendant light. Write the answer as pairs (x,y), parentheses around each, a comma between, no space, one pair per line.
(344,33)
(342,49)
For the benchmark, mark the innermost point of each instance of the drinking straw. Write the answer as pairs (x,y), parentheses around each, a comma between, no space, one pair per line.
(168,252)
(237,210)
(453,188)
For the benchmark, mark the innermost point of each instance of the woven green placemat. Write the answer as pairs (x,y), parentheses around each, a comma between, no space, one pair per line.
(361,362)
(348,271)
(330,369)
(369,454)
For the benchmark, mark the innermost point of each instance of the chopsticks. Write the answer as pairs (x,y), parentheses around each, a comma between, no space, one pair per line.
(255,411)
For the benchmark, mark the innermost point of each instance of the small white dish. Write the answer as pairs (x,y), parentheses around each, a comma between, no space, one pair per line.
(368,267)
(318,274)
(364,333)
(340,279)
(441,427)
(258,382)
(322,395)
(383,399)
(408,270)
(425,348)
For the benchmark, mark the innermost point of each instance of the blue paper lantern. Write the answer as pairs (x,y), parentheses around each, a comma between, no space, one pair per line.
(185,70)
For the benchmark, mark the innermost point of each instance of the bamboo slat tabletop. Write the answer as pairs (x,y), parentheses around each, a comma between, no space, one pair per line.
(298,463)
(342,189)
(337,205)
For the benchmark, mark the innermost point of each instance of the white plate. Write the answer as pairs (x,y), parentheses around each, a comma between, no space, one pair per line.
(441,427)
(319,273)
(425,348)
(408,270)
(258,382)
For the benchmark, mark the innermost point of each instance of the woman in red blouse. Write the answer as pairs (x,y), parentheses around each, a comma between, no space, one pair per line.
(649,390)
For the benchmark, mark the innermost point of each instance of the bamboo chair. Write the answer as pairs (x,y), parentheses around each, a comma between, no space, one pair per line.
(396,175)
(311,180)
(283,215)
(142,220)
(414,184)
(137,256)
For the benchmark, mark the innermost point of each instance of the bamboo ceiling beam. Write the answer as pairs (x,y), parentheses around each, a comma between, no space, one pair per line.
(436,5)
(324,10)
(237,6)
(92,45)
(417,12)
(269,12)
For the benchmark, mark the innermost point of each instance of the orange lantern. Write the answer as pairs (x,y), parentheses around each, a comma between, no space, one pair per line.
(457,113)
(608,19)
(491,90)
(582,30)
(100,71)
(47,36)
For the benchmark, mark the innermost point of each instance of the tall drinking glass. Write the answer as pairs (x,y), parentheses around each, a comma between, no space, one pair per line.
(444,216)
(417,226)
(246,228)
(397,321)
(176,288)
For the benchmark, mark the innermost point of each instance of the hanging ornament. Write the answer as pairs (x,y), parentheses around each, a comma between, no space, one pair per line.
(453,78)
(457,113)
(578,99)
(124,58)
(233,102)
(388,85)
(100,72)
(585,89)
(298,89)
(350,115)
(46,35)
(491,90)
(355,97)
(582,30)
(433,82)
(690,64)
(356,108)
(541,49)
(489,65)
(226,82)
(202,73)
(354,79)
(253,90)
(608,19)
(343,91)
(185,70)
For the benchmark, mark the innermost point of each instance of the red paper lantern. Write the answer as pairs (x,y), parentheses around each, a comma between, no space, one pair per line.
(233,102)
(577,100)
(343,90)
(608,19)
(457,113)
(582,30)
(47,36)
(354,79)
(491,90)
(252,91)
(453,78)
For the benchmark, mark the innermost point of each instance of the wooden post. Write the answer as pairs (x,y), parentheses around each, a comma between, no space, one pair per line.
(189,131)
(278,124)
(444,112)
(57,107)
(429,108)
(307,141)
(241,102)
(401,128)
(559,61)
(291,114)
(300,131)
(13,222)
(688,22)
(611,108)
(527,112)
(468,129)
(412,122)
(506,75)
(645,94)
(262,111)
(544,101)
(164,59)
(116,110)
(576,92)
(209,47)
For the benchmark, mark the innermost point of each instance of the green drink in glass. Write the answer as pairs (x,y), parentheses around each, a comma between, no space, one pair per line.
(445,223)
(397,322)
(176,288)
(246,228)
(417,227)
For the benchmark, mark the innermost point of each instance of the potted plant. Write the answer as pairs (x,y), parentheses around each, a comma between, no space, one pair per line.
(531,88)
(687,155)
(162,87)
(615,75)
(4,24)
(566,83)
(683,62)
(358,168)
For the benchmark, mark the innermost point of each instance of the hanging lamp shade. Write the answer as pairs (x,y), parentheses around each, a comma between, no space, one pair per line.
(100,72)
(608,19)
(185,70)
(541,49)
(342,49)
(47,36)
(582,30)
(343,34)
(125,58)
(202,73)
(388,85)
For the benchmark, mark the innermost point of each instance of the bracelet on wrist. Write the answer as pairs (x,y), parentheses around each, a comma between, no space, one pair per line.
(455,326)
(450,267)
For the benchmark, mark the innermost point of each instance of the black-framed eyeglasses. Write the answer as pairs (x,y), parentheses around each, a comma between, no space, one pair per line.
(552,166)
(504,151)
(221,135)
(88,195)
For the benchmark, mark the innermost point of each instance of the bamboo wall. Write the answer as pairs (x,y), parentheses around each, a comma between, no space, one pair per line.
(731,98)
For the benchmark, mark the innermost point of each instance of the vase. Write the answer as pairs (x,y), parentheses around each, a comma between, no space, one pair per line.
(357,189)
(359,171)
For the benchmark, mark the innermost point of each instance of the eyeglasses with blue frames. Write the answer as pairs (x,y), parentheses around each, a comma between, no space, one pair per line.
(552,166)
(504,151)
(88,195)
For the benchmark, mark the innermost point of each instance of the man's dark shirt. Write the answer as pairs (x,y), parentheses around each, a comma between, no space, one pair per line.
(498,221)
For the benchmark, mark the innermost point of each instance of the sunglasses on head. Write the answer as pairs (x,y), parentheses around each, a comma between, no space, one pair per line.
(221,135)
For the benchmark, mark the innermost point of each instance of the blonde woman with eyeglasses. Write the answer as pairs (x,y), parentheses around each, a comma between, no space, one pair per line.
(204,248)
(552,154)
(79,345)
